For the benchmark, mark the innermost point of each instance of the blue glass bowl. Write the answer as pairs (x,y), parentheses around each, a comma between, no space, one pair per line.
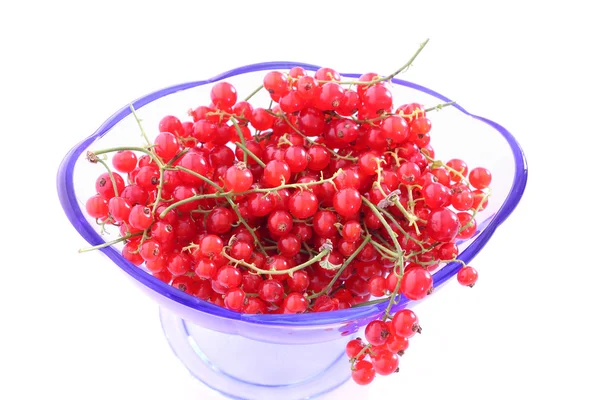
(281,356)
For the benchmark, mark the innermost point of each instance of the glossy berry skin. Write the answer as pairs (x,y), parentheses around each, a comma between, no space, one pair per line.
(276,173)
(295,303)
(166,145)
(347,202)
(140,217)
(363,372)
(467,276)
(124,161)
(405,323)
(105,187)
(238,179)
(386,363)
(303,204)
(223,95)
(234,299)
(97,206)
(271,291)
(354,347)
(416,283)
(220,220)
(377,332)
(443,225)
(480,178)
(229,277)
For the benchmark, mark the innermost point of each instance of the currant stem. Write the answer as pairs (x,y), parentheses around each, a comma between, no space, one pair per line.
(387,227)
(258,89)
(247,153)
(243,141)
(406,235)
(234,207)
(362,351)
(440,106)
(197,175)
(124,148)
(370,303)
(289,271)
(339,272)
(161,179)
(410,217)
(384,249)
(392,299)
(483,199)
(139,122)
(110,174)
(190,199)
(106,244)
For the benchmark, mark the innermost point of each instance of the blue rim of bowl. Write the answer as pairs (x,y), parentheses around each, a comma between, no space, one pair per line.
(66,193)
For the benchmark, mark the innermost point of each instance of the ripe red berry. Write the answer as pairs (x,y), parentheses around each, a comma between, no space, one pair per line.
(480,178)
(347,202)
(443,225)
(124,161)
(405,323)
(223,95)
(467,276)
(416,283)
(386,363)
(238,178)
(377,333)
(363,372)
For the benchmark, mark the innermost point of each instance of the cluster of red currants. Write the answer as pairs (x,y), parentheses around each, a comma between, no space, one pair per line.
(325,199)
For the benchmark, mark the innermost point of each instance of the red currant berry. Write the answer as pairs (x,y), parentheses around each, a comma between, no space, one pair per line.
(480,178)
(416,283)
(234,299)
(238,178)
(97,207)
(406,323)
(377,332)
(386,363)
(467,276)
(295,303)
(347,202)
(223,95)
(363,372)
(124,161)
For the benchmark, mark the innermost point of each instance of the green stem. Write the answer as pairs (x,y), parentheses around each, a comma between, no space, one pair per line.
(387,227)
(247,152)
(189,200)
(234,207)
(339,272)
(110,174)
(106,244)
(440,106)
(161,179)
(406,235)
(139,122)
(243,141)
(258,89)
(197,175)
(124,148)
(289,271)
(370,303)
(384,249)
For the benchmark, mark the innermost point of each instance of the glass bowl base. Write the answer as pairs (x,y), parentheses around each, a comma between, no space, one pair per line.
(242,368)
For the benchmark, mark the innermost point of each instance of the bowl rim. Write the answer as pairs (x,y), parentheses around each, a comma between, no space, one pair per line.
(66,194)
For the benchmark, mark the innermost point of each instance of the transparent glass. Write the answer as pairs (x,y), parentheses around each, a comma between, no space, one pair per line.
(280,357)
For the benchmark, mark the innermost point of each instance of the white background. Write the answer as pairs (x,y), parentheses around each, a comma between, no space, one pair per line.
(72,327)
